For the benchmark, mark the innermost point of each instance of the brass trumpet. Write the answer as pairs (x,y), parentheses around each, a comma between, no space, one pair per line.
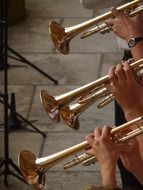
(86,95)
(33,169)
(103,28)
(62,36)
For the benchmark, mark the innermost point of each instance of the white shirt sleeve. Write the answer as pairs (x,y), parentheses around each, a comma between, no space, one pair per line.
(122,43)
(101,4)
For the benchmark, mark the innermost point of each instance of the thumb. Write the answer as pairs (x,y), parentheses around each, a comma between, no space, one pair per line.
(109,22)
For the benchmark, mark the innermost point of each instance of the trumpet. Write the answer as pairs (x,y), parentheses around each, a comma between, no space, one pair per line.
(57,106)
(103,28)
(62,36)
(33,169)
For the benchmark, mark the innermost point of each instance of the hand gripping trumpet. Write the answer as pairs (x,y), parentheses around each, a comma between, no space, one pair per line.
(62,36)
(33,169)
(103,28)
(86,95)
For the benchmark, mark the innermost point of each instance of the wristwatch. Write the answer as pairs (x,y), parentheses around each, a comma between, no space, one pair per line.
(133,41)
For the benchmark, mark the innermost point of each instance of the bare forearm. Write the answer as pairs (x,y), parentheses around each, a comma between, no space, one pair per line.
(108,173)
(133,113)
(137,51)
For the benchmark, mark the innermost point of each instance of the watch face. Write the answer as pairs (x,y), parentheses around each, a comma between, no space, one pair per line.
(132,42)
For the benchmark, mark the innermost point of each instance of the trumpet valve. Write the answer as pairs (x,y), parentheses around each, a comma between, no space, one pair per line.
(59,37)
(51,105)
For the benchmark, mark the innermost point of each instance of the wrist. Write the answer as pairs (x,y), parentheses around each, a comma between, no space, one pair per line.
(133,113)
(108,174)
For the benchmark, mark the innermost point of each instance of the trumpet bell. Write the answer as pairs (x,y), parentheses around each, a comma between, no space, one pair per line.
(69,117)
(51,105)
(59,37)
(30,170)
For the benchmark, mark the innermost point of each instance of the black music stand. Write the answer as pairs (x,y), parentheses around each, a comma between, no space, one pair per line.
(20,58)
(7,162)
(13,54)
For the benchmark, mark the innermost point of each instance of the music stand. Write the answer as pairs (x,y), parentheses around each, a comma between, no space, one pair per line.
(13,53)
(20,58)
(7,161)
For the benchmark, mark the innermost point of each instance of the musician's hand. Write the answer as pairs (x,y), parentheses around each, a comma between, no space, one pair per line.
(106,152)
(103,148)
(125,26)
(127,89)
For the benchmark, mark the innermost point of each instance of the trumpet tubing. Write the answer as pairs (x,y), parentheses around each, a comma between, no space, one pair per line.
(62,36)
(89,161)
(33,169)
(83,159)
(106,101)
(58,106)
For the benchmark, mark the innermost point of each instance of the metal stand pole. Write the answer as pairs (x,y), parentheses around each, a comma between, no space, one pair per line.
(6,161)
